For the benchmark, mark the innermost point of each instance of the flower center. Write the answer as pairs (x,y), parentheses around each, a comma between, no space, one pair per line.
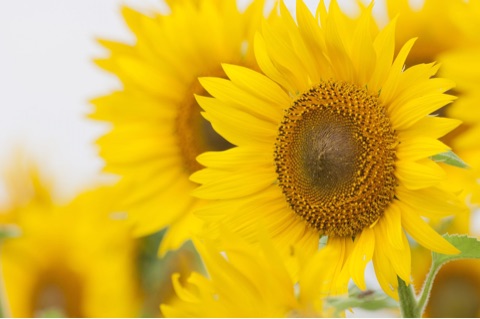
(195,134)
(60,292)
(335,158)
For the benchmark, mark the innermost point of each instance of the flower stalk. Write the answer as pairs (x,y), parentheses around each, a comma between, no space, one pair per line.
(427,286)
(408,301)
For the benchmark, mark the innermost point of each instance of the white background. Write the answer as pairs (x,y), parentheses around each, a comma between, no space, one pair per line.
(47,78)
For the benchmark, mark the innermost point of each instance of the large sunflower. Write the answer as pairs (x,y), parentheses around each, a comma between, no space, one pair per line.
(335,139)
(246,280)
(70,260)
(157,127)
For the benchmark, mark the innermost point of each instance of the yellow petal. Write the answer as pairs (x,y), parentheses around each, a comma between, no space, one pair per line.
(431,201)
(235,125)
(424,234)
(409,113)
(400,259)
(361,255)
(387,278)
(181,292)
(266,64)
(223,185)
(420,147)
(225,90)
(416,175)
(393,222)
(314,39)
(255,82)
(389,88)
(236,157)
(384,45)
(431,126)
(363,53)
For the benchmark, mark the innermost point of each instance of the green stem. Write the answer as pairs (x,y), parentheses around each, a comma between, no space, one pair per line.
(408,301)
(427,287)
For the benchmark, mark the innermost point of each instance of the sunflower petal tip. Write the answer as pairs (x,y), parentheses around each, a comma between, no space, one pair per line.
(448,249)
(194,178)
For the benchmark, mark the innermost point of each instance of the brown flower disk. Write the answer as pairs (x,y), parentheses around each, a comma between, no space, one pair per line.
(335,158)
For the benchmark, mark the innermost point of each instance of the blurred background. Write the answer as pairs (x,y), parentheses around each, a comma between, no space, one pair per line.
(47,78)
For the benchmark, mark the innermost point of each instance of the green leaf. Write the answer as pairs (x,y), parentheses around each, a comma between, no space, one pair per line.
(368,300)
(450,158)
(469,247)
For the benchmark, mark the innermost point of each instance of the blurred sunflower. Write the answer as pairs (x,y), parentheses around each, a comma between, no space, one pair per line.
(70,260)
(440,25)
(335,139)
(456,290)
(156,273)
(247,280)
(157,127)
(463,66)
(453,39)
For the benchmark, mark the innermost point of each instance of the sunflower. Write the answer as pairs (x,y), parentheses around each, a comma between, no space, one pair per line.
(453,40)
(440,25)
(157,127)
(247,280)
(335,139)
(70,260)
(456,292)
(463,65)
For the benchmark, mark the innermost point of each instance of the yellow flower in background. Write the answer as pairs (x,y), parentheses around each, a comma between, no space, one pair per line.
(440,25)
(463,66)
(247,280)
(157,127)
(156,273)
(448,32)
(456,289)
(456,292)
(335,139)
(70,260)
